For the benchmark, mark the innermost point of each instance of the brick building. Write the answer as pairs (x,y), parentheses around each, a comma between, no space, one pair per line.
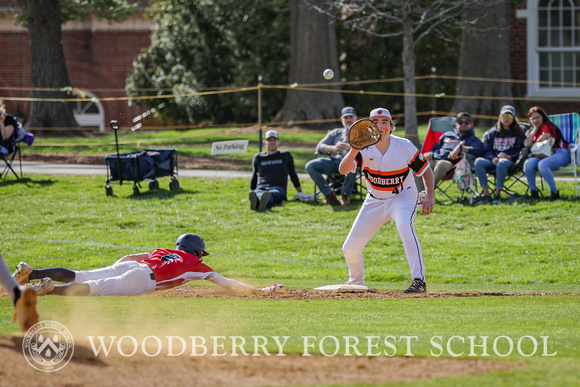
(544,39)
(545,42)
(98,57)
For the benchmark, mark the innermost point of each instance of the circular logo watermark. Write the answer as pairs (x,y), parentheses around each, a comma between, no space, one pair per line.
(48,346)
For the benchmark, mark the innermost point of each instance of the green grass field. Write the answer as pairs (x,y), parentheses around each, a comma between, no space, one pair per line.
(524,247)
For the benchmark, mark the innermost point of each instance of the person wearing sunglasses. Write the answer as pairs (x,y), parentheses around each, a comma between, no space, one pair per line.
(501,148)
(447,152)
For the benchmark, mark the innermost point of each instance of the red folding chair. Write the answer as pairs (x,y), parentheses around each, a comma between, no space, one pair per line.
(437,126)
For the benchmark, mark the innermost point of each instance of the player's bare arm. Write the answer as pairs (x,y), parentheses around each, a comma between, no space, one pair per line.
(429,201)
(346,165)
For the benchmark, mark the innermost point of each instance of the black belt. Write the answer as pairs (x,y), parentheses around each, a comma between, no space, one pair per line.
(152,276)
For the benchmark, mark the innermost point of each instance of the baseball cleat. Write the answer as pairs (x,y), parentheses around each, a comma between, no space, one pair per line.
(264,200)
(44,286)
(418,286)
(22,272)
(271,288)
(254,201)
(25,308)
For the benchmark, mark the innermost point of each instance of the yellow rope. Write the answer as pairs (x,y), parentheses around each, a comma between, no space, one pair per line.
(324,87)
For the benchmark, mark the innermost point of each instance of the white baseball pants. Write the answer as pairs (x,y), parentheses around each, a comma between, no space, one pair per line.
(129,278)
(373,214)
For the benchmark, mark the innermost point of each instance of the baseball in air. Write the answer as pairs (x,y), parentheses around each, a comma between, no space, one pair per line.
(328,74)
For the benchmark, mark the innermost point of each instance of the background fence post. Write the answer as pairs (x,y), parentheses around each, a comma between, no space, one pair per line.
(260,84)
(433,90)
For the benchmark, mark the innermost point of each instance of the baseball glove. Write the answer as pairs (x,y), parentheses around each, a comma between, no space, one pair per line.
(363,133)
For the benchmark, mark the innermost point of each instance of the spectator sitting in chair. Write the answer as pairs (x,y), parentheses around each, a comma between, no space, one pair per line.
(7,129)
(448,151)
(501,148)
(270,174)
(542,129)
(335,145)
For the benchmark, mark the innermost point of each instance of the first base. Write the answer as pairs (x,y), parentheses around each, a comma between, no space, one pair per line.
(346,288)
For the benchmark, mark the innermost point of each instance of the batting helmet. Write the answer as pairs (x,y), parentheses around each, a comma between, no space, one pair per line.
(191,243)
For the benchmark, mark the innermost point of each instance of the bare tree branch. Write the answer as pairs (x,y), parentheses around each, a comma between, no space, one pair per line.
(413,20)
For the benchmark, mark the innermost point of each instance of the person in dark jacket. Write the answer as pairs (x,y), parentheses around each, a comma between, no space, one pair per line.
(501,148)
(452,145)
(270,174)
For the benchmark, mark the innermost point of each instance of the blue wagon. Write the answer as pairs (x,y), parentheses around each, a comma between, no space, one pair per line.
(142,165)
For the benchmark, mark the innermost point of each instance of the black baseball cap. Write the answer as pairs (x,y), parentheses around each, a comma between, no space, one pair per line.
(463,115)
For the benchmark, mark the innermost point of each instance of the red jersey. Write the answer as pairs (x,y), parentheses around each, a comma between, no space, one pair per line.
(552,131)
(175,267)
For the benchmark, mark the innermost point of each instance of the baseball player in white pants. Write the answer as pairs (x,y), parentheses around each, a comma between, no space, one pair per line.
(392,194)
(136,274)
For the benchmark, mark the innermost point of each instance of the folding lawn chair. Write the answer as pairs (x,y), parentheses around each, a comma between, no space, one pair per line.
(9,161)
(569,124)
(438,126)
(445,185)
(12,145)
(516,173)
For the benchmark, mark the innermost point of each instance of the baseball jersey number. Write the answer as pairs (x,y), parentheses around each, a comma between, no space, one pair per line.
(170,258)
(396,190)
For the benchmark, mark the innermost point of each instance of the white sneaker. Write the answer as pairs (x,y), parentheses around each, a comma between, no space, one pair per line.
(44,286)
(22,272)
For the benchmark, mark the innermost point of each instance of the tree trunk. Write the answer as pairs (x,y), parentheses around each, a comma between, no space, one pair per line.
(48,68)
(485,52)
(313,50)
(409,76)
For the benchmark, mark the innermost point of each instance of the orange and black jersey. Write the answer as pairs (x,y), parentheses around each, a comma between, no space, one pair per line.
(388,174)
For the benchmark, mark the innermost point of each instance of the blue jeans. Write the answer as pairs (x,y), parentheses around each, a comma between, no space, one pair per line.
(326,166)
(545,166)
(482,166)
(277,195)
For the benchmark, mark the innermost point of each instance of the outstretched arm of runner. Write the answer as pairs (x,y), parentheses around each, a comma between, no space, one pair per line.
(230,284)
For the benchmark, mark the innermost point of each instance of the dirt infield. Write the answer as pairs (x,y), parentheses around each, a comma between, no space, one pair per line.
(304,294)
(301,294)
(87,370)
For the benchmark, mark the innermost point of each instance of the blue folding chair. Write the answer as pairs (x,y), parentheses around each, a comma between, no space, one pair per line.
(569,124)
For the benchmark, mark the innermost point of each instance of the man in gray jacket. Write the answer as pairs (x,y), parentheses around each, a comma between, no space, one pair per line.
(335,145)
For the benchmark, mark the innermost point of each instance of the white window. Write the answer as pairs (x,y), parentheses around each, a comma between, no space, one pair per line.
(553,47)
